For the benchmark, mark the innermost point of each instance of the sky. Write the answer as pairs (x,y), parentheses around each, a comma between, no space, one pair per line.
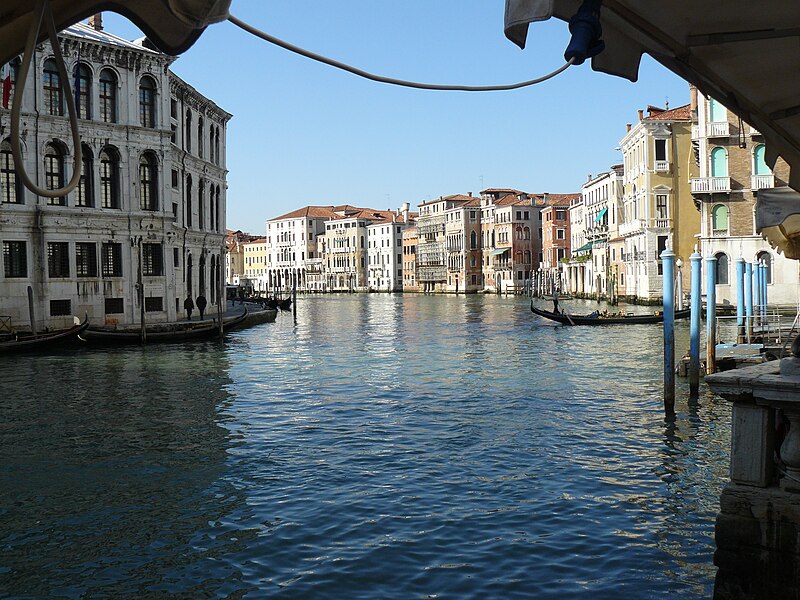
(304,133)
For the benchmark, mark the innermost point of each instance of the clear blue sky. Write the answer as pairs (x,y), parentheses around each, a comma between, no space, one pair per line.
(305,133)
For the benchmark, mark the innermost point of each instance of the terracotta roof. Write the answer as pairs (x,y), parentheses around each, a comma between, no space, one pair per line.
(512,200)
(259,240)
(682,113)
(314,212)
(501,191)
(558,199)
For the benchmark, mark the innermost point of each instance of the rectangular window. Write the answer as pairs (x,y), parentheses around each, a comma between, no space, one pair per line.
(85,259)
(176,257)
(15,259)
(9,189)
(154,304)
(112,260)
(559,234)
(152,260)
(661,206)
(114,306)
(661,149)
(561,215)
(58,259)
(60,308)
(175,178)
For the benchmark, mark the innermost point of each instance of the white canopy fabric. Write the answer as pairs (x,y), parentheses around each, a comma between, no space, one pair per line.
(743,53)
(172,25)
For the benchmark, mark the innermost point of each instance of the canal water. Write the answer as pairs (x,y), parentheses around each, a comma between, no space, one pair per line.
(375,447)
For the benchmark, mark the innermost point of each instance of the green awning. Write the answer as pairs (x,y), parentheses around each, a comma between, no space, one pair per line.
(499,251)
(585,247)
(601,214)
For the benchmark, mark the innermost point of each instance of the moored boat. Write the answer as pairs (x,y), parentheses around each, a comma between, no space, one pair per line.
(174,332)
(45,341)
(598,318)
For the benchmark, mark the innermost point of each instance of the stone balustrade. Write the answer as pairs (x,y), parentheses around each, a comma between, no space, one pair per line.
(758,526)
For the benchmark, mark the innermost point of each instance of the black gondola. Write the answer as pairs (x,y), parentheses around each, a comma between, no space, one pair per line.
(599,319)
(44,341)
(181,332)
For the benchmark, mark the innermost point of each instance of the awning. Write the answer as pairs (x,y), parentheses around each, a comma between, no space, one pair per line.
(173,25)
(740,52)
(585,247)
(499,251)
(601,214)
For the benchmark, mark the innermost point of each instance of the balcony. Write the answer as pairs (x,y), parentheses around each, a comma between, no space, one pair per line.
(711,185)
(631,228)
(695,132)
(597,232)
(662,166)
(659,223)
(719,233)
(753,131)
(718,129)
(760,182)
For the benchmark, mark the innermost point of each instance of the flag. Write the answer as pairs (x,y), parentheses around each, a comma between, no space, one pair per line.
(5,77)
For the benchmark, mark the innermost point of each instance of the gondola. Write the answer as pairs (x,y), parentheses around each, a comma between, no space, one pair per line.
(285,304)
(45,341)
(567,319)
(169,334)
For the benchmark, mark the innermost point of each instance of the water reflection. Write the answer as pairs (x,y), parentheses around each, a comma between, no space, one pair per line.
(111,479)
(379,446)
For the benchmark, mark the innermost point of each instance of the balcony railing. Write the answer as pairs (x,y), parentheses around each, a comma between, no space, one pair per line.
(659,223)
(718,129)
(719,233)
(759,182)
(662,166)
(631,228)
(710,185)
(695,132)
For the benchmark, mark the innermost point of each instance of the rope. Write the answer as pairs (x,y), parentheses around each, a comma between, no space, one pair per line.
(43,12)
(390,80)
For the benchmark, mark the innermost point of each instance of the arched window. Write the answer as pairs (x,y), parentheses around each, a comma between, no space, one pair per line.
(14,64)
(527,232)
(187,132)
(767,258)
(108,96)
(86,182)
(54,171)
(211,151)
(201,213)
(473,240)
(722,268)
(200,140)
(216,147)
(148,182)
(719,218)
(719,162)
(109,178)
(214,279)
(10,189)
(219,210)
(83,91)
(716,112)
(188,207)
(759,164)
(53,95)
(147,102)
(212,209)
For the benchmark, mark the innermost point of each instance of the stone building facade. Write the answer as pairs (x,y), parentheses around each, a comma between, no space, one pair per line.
(146,226)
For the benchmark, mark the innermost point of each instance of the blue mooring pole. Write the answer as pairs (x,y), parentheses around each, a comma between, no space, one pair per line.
(711,314)
(748,299)
(694,335)
(668,271)
(756,294)
(740,300)
(763,266)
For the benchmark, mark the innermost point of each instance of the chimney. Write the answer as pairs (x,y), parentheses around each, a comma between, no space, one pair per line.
(588,177)
(96,21)
(628,127)
(470,194)
(404,209)
(693,98)
(641,114)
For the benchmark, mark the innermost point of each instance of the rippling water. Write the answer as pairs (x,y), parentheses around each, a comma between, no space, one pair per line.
(378,447)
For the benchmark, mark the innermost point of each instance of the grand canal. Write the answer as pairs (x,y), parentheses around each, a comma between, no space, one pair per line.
(377,447)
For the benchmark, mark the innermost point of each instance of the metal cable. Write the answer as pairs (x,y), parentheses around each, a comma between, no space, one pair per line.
(390,80)
(43,12)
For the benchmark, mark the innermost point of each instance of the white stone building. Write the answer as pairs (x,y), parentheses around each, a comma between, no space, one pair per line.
(385,253)
(146,226)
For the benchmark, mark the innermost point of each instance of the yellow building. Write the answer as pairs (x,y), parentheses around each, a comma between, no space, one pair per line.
(255,265)
(658,210)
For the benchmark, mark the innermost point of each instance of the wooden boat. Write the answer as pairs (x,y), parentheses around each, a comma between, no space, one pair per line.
(45,341)
(181,332)
(285,304)
(599,319)
(256,317)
